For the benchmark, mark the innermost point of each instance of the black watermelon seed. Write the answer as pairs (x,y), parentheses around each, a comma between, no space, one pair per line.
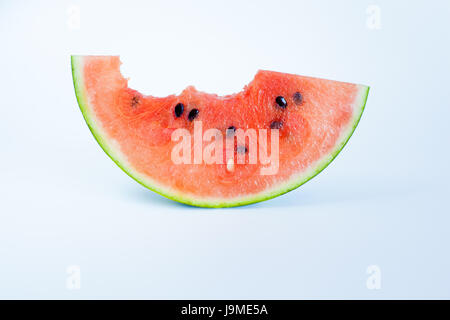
(179,109)
(298,98)
(276,125)
(241,149)
(193,114)
(230,131)
(281,101)
(135,101)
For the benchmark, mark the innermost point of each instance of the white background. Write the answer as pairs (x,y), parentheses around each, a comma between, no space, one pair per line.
(383,201)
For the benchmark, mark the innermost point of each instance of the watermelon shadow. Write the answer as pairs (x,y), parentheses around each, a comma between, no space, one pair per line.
(313,194)
(324,194)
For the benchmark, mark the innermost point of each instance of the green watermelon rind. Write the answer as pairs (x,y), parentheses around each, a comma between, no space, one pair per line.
(113,151)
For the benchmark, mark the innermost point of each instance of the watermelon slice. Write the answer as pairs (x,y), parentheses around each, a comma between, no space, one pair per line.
(313,119)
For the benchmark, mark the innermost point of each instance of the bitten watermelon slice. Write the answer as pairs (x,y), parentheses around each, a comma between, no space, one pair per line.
(314,118)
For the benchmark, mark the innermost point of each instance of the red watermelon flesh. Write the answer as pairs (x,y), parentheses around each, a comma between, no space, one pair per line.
(315,118)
